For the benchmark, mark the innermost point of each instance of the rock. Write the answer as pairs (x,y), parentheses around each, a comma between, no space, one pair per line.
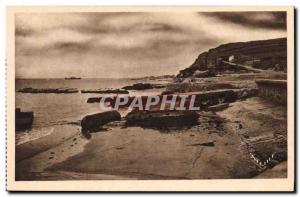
(23,120)
(162,77)
(246,136)
(143,86)
(49,90)
(72,78)
(218,107)
(215,97)
(98,99)
(94,122)
(161,119)
(94,100)
(204,144)
(106,91)
(240,126)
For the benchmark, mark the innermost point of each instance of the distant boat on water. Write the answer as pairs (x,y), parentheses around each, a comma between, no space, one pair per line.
(72,78)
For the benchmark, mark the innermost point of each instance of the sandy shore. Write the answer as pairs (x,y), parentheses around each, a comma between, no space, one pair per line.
(138,153)
(35,156)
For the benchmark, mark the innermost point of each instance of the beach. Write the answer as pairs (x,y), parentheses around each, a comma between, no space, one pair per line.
(216,148)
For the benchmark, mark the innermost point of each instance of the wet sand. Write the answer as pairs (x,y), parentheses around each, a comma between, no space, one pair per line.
(35,156)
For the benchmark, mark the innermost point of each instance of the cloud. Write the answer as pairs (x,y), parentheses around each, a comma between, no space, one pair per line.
(123,44)
(266,20)
(118,31)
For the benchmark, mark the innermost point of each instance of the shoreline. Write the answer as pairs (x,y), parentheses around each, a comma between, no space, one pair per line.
(30,159)
(137,153)
(143,153)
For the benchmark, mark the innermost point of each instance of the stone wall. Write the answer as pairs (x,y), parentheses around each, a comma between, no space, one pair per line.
(274,90)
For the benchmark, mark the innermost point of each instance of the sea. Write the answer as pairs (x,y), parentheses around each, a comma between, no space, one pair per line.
(57,109)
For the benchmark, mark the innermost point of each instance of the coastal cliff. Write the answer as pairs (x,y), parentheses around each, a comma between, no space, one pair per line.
(262,54)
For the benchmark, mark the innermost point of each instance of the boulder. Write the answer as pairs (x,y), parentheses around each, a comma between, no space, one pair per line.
(23,120)
(94,100)
(94,122)
(98,99)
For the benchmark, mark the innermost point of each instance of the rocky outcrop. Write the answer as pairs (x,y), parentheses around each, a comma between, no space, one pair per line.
(106,91)
(94,122)
(72,78)
(162,77)
(262,54)
(49,90)
(24,120)
(143,86)
(216,97)
(94,99)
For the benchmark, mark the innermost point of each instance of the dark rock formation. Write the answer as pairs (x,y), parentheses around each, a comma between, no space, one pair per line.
(143,86)
(211,144)
(106,91)
(94,122)
(216,97)
(72,78)
(49,90)
(23,120)
(161,119)
(262,54)
(94,100)
(218,107)
(162,77)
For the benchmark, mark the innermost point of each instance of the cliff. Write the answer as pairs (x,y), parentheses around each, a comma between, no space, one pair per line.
(262,54)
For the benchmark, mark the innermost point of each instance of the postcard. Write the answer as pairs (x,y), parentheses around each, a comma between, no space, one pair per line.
(150,99)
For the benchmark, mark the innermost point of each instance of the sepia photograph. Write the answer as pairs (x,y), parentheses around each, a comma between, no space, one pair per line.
(201,98)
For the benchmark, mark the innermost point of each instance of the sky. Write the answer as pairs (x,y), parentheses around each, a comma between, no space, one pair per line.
(129,44)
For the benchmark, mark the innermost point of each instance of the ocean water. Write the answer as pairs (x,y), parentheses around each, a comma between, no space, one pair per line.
(57,109)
